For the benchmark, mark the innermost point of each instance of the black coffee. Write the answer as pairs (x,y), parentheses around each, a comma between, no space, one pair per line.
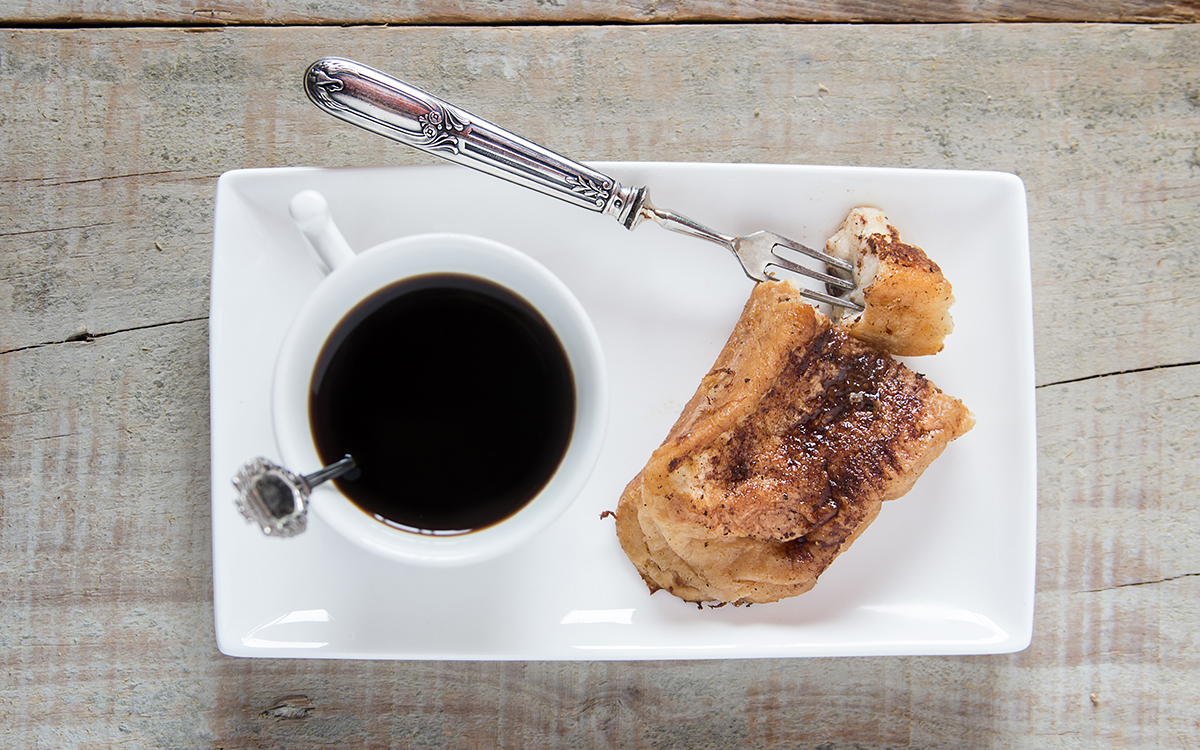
(455,398)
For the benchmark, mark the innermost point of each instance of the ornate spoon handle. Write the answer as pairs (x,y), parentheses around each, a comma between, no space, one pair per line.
(377,102)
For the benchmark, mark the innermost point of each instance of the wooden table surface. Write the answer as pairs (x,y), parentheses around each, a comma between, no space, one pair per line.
(117,119)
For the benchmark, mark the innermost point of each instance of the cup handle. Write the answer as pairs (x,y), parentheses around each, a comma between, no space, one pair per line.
(310,211)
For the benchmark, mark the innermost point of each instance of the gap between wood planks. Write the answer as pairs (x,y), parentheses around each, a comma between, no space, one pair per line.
(1086,378)
(210,26)
(22,232)
(804,13)
(184,176)
(83,335)
(1142,583)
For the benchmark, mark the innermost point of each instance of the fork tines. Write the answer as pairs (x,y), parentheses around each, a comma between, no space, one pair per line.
(833,282)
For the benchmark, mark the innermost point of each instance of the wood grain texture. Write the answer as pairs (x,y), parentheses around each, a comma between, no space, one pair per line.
(112,140)
(424,12)
(1100,122)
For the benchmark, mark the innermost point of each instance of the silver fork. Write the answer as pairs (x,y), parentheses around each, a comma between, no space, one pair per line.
(392,108)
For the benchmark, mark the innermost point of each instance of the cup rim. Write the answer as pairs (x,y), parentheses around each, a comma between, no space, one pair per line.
(417,255)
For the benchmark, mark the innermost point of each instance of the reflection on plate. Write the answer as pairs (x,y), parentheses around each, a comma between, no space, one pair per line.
(947,569)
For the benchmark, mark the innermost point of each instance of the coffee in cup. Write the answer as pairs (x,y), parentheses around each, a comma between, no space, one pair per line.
(455,397)
(463,377)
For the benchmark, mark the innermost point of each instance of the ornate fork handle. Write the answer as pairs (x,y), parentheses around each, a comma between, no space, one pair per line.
(377,102)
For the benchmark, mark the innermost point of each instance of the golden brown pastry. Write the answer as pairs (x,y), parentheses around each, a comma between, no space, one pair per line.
(782,457)
(907,299)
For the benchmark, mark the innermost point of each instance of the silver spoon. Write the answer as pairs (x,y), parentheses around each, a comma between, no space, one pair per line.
(277,499)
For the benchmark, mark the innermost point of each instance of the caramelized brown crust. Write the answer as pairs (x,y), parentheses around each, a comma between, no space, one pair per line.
(906,296)
(783,456)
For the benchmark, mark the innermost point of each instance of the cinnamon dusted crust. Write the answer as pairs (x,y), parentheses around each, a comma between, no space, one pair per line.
(783,456)
(906,297)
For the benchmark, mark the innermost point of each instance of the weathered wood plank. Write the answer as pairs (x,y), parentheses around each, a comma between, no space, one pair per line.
(111,143)
(418,12)
(107,622)
(113,147)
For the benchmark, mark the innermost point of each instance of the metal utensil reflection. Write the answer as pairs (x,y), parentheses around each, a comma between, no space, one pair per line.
(277,499)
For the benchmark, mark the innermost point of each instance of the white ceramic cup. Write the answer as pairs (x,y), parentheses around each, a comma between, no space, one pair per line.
(355,277)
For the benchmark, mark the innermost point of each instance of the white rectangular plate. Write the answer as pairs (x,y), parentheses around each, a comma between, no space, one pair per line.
(947,569)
